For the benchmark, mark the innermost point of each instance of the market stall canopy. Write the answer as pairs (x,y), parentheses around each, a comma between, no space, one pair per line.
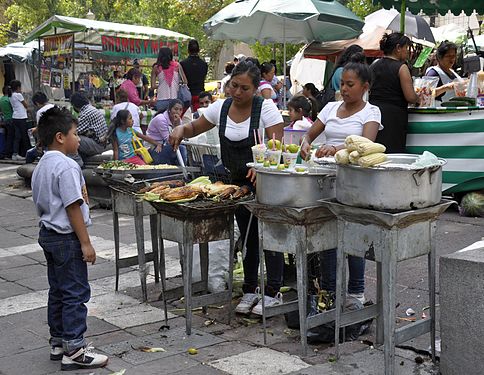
(89,31)
(430,7)
(19,51)
(279,21)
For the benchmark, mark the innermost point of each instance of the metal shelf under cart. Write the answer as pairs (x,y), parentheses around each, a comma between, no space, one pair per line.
(299,231)
(385,238)
(198,222)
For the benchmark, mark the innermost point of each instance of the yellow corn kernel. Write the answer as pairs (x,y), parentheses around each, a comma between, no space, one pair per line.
(354,156)
(371,160)
(352,141)
(370,148)
(342,156)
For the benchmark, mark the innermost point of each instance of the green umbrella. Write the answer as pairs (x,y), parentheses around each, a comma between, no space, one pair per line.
(284,21)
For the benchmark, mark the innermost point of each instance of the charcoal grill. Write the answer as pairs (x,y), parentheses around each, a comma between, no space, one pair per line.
(299,231)
(385,238)
(198,222)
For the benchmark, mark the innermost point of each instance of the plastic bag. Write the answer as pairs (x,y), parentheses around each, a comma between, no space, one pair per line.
(472,204)
(425,89)
(427,159)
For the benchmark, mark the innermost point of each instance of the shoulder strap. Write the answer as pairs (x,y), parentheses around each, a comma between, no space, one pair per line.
(183,77)
(135,140)
(256,112)
(224,112)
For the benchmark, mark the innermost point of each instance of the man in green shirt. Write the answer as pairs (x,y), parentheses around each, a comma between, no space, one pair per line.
(6,111)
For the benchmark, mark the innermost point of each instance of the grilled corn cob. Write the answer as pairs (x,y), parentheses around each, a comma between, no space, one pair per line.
(342,156)
(371,160)
(354,157)
(352,141)
(370,148)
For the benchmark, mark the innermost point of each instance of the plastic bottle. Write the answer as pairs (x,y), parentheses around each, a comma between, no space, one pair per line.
(472,86)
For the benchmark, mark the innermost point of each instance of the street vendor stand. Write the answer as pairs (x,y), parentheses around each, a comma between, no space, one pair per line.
(82,54)
(455,134)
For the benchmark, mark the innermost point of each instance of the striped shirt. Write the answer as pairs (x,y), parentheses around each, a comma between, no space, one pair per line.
(91,120)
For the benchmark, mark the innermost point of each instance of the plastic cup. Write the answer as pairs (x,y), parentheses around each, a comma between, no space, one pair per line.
(289,159)
(460,88)
(258,153)
(274,157)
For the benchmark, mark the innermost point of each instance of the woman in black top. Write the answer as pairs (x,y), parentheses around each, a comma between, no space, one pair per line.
(392,91)
(241,114)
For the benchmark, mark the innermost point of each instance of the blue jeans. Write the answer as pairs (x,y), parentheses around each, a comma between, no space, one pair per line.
(167,155)
(356,265)
(69,289)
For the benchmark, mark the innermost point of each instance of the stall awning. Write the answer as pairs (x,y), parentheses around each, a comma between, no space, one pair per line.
(90,31)
(18,51)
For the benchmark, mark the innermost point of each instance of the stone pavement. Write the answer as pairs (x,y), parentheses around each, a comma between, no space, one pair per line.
(119,323)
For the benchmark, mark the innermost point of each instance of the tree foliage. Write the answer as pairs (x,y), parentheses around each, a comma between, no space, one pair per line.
(275,51)
(362,8)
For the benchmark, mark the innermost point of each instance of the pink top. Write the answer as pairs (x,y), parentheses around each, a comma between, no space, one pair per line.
(167,90)
(159,127)
(130,88)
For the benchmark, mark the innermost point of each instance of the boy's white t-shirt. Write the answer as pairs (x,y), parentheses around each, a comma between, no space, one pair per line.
(45,108)
(337,129)
(269,116)
(19,111)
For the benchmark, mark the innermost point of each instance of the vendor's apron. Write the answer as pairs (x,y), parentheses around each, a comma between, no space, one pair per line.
(446,79)
(236,154)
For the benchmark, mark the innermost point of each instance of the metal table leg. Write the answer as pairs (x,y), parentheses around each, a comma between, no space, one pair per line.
(302,288)
(140,244)
(187,274)
(379,300)
(340,295)
(262,276)
(155,239)
(116,242)
(231,268)
(431,270)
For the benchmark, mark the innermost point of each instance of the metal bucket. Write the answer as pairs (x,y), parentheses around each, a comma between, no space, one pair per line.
(392,189)
(279,188)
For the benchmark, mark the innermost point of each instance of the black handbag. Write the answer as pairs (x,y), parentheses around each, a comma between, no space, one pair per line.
(327,94)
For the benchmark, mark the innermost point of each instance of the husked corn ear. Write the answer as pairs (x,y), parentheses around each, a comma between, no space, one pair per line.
(370,148)
(371,160)
(354,156)
(352,141)
(342,156)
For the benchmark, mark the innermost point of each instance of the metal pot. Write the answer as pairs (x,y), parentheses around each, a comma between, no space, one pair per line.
(279,188)
(394,188)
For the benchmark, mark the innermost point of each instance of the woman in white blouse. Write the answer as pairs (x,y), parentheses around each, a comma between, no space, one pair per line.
(237,118)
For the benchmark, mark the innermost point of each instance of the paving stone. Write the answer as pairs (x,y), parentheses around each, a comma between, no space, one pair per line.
(14,261)
(31,362)
(173,341)
(24,302)
(10,289)
(177,364)
(24,272)
(30,248)
(199,369)
(19,339)
(259,361)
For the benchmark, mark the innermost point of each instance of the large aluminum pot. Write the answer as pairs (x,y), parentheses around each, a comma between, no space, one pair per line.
(393,188)
(279,188)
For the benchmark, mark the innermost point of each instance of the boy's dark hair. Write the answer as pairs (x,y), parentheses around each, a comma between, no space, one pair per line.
(39,98)
(203,94)
(193,47)
(122,96)
(79,100)
(15,84)
(53,121)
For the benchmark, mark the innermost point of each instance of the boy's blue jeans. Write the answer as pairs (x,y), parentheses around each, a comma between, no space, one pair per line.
(69,289)
(356,265)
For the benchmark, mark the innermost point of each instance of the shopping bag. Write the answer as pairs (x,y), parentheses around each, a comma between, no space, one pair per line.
(140,150)
(184,93)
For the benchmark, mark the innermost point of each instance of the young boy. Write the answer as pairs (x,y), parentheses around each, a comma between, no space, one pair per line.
(60,195)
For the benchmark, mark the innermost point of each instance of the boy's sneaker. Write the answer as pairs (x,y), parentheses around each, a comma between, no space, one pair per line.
(83,358)
(17,157)
(269,302)
(248,301)
(56,353)
(359,296)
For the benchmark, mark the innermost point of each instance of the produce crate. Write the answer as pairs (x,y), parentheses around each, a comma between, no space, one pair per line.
(206,157)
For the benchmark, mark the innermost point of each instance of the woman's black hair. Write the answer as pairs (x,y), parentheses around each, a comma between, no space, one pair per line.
(362,71)
(165,56)
(79,100)
(309,106)
(229,66)
(171,104)
(389,42)
(445,47)
(15,84)
(346,55)
(193,47)
(253,60)
(53,121)
(120,119)
(312,89)
(249,68)
(266,68)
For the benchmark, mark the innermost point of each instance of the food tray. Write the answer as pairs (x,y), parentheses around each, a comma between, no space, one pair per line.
(146,171)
